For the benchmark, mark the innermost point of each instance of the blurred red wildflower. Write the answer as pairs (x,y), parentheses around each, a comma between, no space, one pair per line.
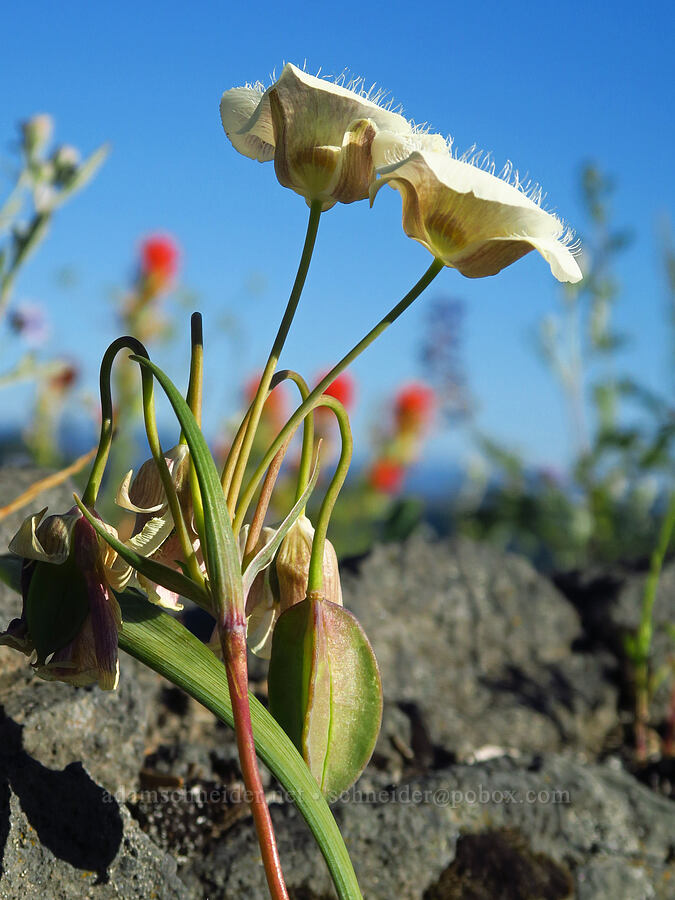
(275,405)
(386,476)
(159,259)
(413,406)
(343,388)
(64,379)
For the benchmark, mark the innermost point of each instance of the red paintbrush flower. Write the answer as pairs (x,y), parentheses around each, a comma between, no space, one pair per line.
(159,259)
(275,405)
(413,406)
(343,388)
(386,476)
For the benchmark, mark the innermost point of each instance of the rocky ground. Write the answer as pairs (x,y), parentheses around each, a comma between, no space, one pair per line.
(501,770)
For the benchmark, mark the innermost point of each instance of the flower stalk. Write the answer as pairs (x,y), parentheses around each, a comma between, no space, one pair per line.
(233,643)
(313,398)
(275,353)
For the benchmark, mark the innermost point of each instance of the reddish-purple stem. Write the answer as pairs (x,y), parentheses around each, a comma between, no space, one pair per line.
(233,643)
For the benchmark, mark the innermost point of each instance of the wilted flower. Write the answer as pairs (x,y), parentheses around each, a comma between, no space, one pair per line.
(469,218)
(154,535)
(70,617)
(325,139)
(413,407)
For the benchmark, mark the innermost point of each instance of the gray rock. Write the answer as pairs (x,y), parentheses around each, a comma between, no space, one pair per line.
(477,648)
(66,847)
(62,724)
(587,832)
(61,748)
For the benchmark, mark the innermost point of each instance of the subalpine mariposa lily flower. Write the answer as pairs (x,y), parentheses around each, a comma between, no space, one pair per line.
(469,218)
(70,617)
(325,139)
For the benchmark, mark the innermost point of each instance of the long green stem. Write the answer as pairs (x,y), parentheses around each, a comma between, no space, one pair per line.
(194,401)
(275,353)
(307,452)
(315,578)
(326,381)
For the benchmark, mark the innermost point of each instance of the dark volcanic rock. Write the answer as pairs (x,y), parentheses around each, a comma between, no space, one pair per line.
(64,724)
(62,836)
(553,825)
(477,649)
(77,847)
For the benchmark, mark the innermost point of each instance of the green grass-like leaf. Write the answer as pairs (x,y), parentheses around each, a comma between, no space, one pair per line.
(220,551)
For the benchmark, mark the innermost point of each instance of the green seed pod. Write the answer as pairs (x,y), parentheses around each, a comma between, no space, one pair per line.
(325,690)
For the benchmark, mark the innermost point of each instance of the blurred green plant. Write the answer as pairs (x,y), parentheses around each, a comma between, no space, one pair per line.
(45,178)
(140,312)
(638,646)
(609,505)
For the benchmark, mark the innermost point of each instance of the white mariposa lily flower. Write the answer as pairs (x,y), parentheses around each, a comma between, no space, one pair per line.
(467,217)
(325,139)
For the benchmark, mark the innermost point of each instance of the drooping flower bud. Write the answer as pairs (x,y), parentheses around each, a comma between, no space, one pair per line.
(292,566)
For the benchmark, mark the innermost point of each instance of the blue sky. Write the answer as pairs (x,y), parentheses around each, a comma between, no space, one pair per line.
(545,86)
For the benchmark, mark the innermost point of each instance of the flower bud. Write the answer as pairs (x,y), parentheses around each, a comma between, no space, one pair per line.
(292,566)
(36,132)
(66,160)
